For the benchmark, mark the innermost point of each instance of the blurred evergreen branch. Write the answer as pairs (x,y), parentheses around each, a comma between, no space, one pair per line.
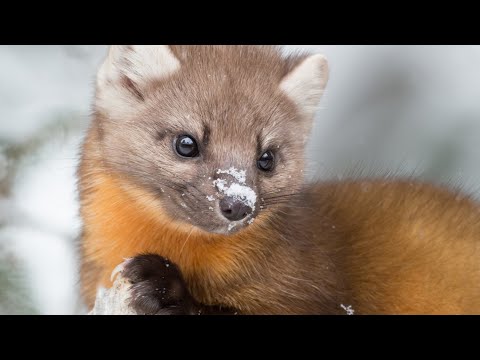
(14,295)
(59,128)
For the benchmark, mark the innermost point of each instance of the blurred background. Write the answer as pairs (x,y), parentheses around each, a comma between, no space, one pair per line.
(401,110)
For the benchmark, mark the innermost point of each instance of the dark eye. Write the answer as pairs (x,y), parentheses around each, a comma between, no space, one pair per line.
(186,146)
(266,161)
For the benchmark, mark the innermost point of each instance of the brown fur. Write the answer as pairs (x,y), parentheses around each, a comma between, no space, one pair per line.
(380,246)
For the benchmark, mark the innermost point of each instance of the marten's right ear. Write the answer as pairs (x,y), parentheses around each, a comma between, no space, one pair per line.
(128,69)
(306,82)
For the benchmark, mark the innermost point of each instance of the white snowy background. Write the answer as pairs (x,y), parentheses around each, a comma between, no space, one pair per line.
(403,109)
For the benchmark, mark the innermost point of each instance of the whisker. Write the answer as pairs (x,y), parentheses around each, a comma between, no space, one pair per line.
(188,236)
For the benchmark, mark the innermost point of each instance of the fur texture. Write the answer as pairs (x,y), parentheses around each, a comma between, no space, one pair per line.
(379,246)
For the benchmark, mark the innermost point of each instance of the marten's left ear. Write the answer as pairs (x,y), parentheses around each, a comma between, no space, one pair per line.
(140,64)
(306,82)
(126,73)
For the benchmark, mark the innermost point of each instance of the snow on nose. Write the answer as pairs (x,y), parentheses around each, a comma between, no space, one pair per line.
(237,190)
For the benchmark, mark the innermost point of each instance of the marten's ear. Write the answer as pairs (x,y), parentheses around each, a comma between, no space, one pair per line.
(127,69)
(306,82)
(139,63)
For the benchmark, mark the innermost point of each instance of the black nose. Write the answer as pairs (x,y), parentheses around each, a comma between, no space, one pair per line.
(234,209)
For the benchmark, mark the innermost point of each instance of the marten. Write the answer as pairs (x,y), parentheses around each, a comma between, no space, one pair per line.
(192,170)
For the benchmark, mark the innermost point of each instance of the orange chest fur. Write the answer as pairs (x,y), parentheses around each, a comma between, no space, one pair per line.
(121,223)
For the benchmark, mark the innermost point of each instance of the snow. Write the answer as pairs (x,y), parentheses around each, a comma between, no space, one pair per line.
(220,184)
(238,191)
(239,175)
(113,301)
(348,309)
(242,193)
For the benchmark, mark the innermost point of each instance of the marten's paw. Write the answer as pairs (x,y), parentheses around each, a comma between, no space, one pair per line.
(157,286)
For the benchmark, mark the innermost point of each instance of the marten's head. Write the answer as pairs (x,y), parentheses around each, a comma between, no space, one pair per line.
(214,134)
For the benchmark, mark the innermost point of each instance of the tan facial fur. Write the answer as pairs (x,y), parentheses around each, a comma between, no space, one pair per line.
(236,101)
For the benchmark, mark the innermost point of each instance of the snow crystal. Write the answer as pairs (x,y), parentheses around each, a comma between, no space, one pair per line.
(250,221)
(210,198)
(210,208)
(231,226)
(243,193)
(183,204)
(348,309)
(239,192)
(220,184)
(239,175)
